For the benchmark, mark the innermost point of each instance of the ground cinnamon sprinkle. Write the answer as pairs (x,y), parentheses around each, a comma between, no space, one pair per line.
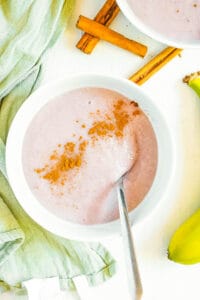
(70,147)
(82,146)
(71,155)
(101,128)
(67,160)
(53,156)
(136,113)
(114,124)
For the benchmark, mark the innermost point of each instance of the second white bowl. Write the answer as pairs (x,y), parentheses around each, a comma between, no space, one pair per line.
(137,22)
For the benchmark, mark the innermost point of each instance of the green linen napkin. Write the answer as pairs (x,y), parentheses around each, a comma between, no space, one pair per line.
(27,29)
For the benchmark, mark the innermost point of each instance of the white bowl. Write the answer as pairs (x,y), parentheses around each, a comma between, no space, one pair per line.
(137,22)
(166,153)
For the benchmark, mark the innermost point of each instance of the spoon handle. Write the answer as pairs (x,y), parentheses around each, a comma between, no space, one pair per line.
(133,275)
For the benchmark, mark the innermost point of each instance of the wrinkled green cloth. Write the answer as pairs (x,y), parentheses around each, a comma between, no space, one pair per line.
(27,29)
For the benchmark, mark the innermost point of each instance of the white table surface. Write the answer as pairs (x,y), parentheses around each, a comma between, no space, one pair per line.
(161,278)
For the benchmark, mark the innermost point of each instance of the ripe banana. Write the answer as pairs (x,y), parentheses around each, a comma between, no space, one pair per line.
(193,80)
(184,246)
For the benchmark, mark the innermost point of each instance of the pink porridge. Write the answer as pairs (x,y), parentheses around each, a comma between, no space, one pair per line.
(77,147)
(174,18)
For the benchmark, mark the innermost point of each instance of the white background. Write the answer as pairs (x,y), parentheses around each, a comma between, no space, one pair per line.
(161,278)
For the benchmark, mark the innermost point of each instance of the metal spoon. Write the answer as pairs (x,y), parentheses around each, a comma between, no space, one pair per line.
(134,281)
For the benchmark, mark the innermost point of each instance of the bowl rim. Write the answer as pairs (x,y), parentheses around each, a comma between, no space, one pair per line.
(20,187)
(136,21)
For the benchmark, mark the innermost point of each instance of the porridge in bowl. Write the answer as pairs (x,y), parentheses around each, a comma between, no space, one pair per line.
(77,147)
(174,19)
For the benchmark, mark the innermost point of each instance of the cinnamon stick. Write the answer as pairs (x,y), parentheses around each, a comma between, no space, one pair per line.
(154,65)
(105,16)
(102,32)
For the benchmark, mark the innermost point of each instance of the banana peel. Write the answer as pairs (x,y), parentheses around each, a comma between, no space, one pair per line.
(184,246)
(193,80)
